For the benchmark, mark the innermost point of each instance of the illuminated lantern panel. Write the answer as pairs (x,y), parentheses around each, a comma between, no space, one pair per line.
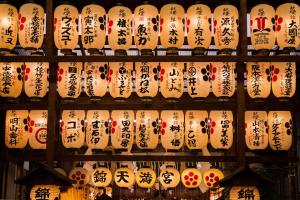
(191,178)
(244,192)
(259,75)
(37,123)
(11,75)
(16,129)
(101,177)
(72,128)
(196,129)
(221,129)
(147,129)
(124,177)
(75,193)
(145,177)
(79,176)
(280,130)
(256,127)
(169,177)
(212,176)
(172,129)
(49,192)
(97,129)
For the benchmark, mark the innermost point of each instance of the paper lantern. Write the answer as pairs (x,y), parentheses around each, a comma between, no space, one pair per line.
(169,177)
(72,128)
(212,176)
(16,129)
(198,79)
(223,79)
(198,20)
(172,129)
(259,76)
(120,29)
(221,129)
(8,26)
(37,122)
(226,22)
(79,176)
(11,75)
(147,129)
(244,192)
(101,177)
(120,79)
(146,79)
(145,177)
(191,178)
(93,27)
(75,193)
(284,79)
(172,20)
(256,128)
(280,130)
(146,22)
(288,22)
(95,79)
(262,27)
(124,177)
(172,79)
(196,129)
(69,79)
(44,192)
(122,129)
(31,26)
(97,130)
(66,27)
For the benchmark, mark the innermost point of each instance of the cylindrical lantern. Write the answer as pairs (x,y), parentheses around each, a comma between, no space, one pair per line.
(172,129)
(146,79)
(146,22)
(66,27)
(169,177)
(280,130)
(223,79)
(256,128)
(198,79)
(120,79)
(16,129)
(244,192)
(196,129)
(37,122)
(221,129)
(124,177)
(171,79)
(31,26)
(79,176)
(97,130)
(11,75)
(122,129)
(212,176)
(145,177)
(93,27)
(41,192)
(262,27)
(120,29)
(147,129)
(191,178)
(69,79)
(72,128)
(95,79)
(101,177)
(259,76)
(284,79)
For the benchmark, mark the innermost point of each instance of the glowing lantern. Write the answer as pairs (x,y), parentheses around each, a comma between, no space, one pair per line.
(212,176)
(145,177)
(262,27)
(101,177)
(72,128)
(69,79)
(223,79)
(124,177)
(49,192)
(280,130)
(221,129)
(120,79)
(191,178)
(16,129)
(147,129)
(146,83)
(172,79)
(169,177)
(79,176)
(75,193)
(122,129)
(259,76)
(97,130)
(31,26)
(11,75)
(95,79)
(37,122)
(196,129)
(284,79)
(198,79)
(172,129)
(256,127)
(244,192)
